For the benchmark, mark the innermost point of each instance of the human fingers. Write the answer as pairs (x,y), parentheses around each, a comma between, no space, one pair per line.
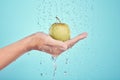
(73,41)
(58,44)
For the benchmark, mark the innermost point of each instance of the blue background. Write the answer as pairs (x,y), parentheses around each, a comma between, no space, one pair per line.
(94,58)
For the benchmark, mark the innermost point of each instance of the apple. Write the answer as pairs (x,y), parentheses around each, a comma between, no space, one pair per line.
(60,31)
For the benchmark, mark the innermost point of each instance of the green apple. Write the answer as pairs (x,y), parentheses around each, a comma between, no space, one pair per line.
(60,31)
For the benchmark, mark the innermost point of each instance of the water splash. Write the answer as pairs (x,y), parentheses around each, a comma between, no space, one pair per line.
(73,12)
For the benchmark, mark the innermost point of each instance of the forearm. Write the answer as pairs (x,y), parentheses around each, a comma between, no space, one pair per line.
(13,51)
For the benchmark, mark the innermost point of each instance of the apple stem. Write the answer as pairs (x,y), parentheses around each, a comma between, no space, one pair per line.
(58,19)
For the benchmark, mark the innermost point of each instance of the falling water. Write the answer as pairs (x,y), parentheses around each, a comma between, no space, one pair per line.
(55,66)
(75,13)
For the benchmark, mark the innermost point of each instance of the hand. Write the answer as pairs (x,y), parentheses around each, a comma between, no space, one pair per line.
(43,42)
(70,43)
(38,41)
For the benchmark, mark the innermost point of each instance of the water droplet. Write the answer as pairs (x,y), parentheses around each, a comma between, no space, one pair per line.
(65,73)
(41,74)
(66,62)
(28,54)
(54,59)
(40,62)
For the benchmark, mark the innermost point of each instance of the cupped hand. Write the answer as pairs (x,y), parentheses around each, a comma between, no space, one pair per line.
(70,43)
(45,43)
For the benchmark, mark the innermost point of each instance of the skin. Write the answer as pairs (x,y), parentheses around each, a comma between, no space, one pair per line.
(38,41)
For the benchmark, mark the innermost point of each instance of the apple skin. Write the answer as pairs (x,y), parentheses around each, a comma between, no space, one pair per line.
(60,31)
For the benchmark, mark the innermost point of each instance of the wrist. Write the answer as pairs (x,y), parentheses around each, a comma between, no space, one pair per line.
(26,43)
(35,41)
(32,42)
